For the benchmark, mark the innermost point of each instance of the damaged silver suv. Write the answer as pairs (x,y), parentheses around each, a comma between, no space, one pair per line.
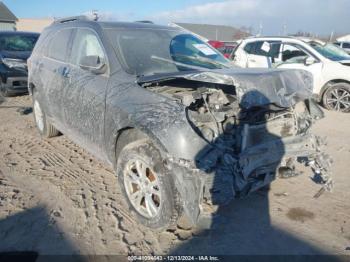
(183,128)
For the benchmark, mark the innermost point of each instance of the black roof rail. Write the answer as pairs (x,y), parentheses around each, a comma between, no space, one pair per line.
(71,19)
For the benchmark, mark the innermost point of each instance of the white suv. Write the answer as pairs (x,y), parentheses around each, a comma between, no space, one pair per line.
(344,45)
(329,64)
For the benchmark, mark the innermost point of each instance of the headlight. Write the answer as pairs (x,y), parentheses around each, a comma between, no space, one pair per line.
(17,63)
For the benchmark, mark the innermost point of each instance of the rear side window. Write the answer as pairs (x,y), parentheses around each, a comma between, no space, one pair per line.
(346,45)
(85,43)
(250,47)
(259,48)
(59,44)
(263,48)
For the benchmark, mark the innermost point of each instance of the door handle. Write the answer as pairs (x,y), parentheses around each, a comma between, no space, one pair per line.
(66,72)
(63,71)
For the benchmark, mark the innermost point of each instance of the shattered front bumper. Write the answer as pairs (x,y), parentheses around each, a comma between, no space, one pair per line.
(238,176)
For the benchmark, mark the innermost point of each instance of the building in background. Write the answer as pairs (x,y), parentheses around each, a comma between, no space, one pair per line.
(221,33)
(7,19)
(33,25)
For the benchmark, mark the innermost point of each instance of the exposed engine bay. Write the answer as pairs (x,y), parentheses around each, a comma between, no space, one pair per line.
(247,147)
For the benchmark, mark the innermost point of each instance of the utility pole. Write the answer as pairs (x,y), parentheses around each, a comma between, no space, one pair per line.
(285,29)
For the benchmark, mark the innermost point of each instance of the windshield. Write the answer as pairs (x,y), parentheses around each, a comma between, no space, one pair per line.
(330,51)
(147,52)
(17,42)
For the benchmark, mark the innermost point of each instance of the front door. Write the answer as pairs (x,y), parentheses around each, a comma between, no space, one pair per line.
(294,56)
(84,106)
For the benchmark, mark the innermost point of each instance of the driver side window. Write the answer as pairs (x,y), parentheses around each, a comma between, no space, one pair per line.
(85,44)
(293,54)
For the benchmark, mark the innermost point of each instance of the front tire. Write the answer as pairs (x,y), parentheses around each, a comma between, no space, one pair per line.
(147,185)
(337,97)
(45,129)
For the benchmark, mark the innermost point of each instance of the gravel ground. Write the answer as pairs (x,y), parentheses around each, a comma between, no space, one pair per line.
(55,198)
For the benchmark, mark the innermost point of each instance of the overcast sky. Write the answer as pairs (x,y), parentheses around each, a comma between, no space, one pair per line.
(315,16)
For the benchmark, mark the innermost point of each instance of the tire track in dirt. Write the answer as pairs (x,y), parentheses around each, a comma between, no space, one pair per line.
(91,189)
(88,191)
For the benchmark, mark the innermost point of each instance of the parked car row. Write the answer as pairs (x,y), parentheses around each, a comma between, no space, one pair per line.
(328,64)
(182,127)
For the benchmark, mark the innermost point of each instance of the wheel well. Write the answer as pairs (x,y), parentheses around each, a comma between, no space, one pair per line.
(330,83)
(128,135)
(124,137)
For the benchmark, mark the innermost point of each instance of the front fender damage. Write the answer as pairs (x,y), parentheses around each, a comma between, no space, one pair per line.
(228,177)
(256,127)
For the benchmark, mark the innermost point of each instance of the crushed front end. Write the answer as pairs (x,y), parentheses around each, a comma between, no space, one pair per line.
(252,137)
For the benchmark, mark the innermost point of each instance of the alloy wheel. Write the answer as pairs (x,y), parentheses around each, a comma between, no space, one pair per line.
(143,188)
(339,100)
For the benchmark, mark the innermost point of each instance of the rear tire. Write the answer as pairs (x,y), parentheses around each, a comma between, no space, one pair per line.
(337,97)
(147,185)
(45,129)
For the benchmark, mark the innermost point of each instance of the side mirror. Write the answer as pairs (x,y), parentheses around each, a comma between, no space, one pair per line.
(94,64)
(309,61)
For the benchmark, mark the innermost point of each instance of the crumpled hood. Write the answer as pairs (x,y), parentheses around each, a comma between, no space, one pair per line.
(258,87)
(254,87)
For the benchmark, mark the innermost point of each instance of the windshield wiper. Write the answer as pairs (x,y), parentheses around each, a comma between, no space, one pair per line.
(176,63)
(204,59)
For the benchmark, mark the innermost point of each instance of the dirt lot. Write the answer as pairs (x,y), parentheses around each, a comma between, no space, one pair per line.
(57,199)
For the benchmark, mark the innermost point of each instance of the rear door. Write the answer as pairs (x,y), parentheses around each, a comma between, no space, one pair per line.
(54,69)
(263,54)
(84,95)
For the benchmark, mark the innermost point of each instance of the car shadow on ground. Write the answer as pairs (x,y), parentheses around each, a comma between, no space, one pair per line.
(244,226)
(28,235)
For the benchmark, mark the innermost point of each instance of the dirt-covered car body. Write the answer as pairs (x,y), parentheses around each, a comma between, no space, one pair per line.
(221,133)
